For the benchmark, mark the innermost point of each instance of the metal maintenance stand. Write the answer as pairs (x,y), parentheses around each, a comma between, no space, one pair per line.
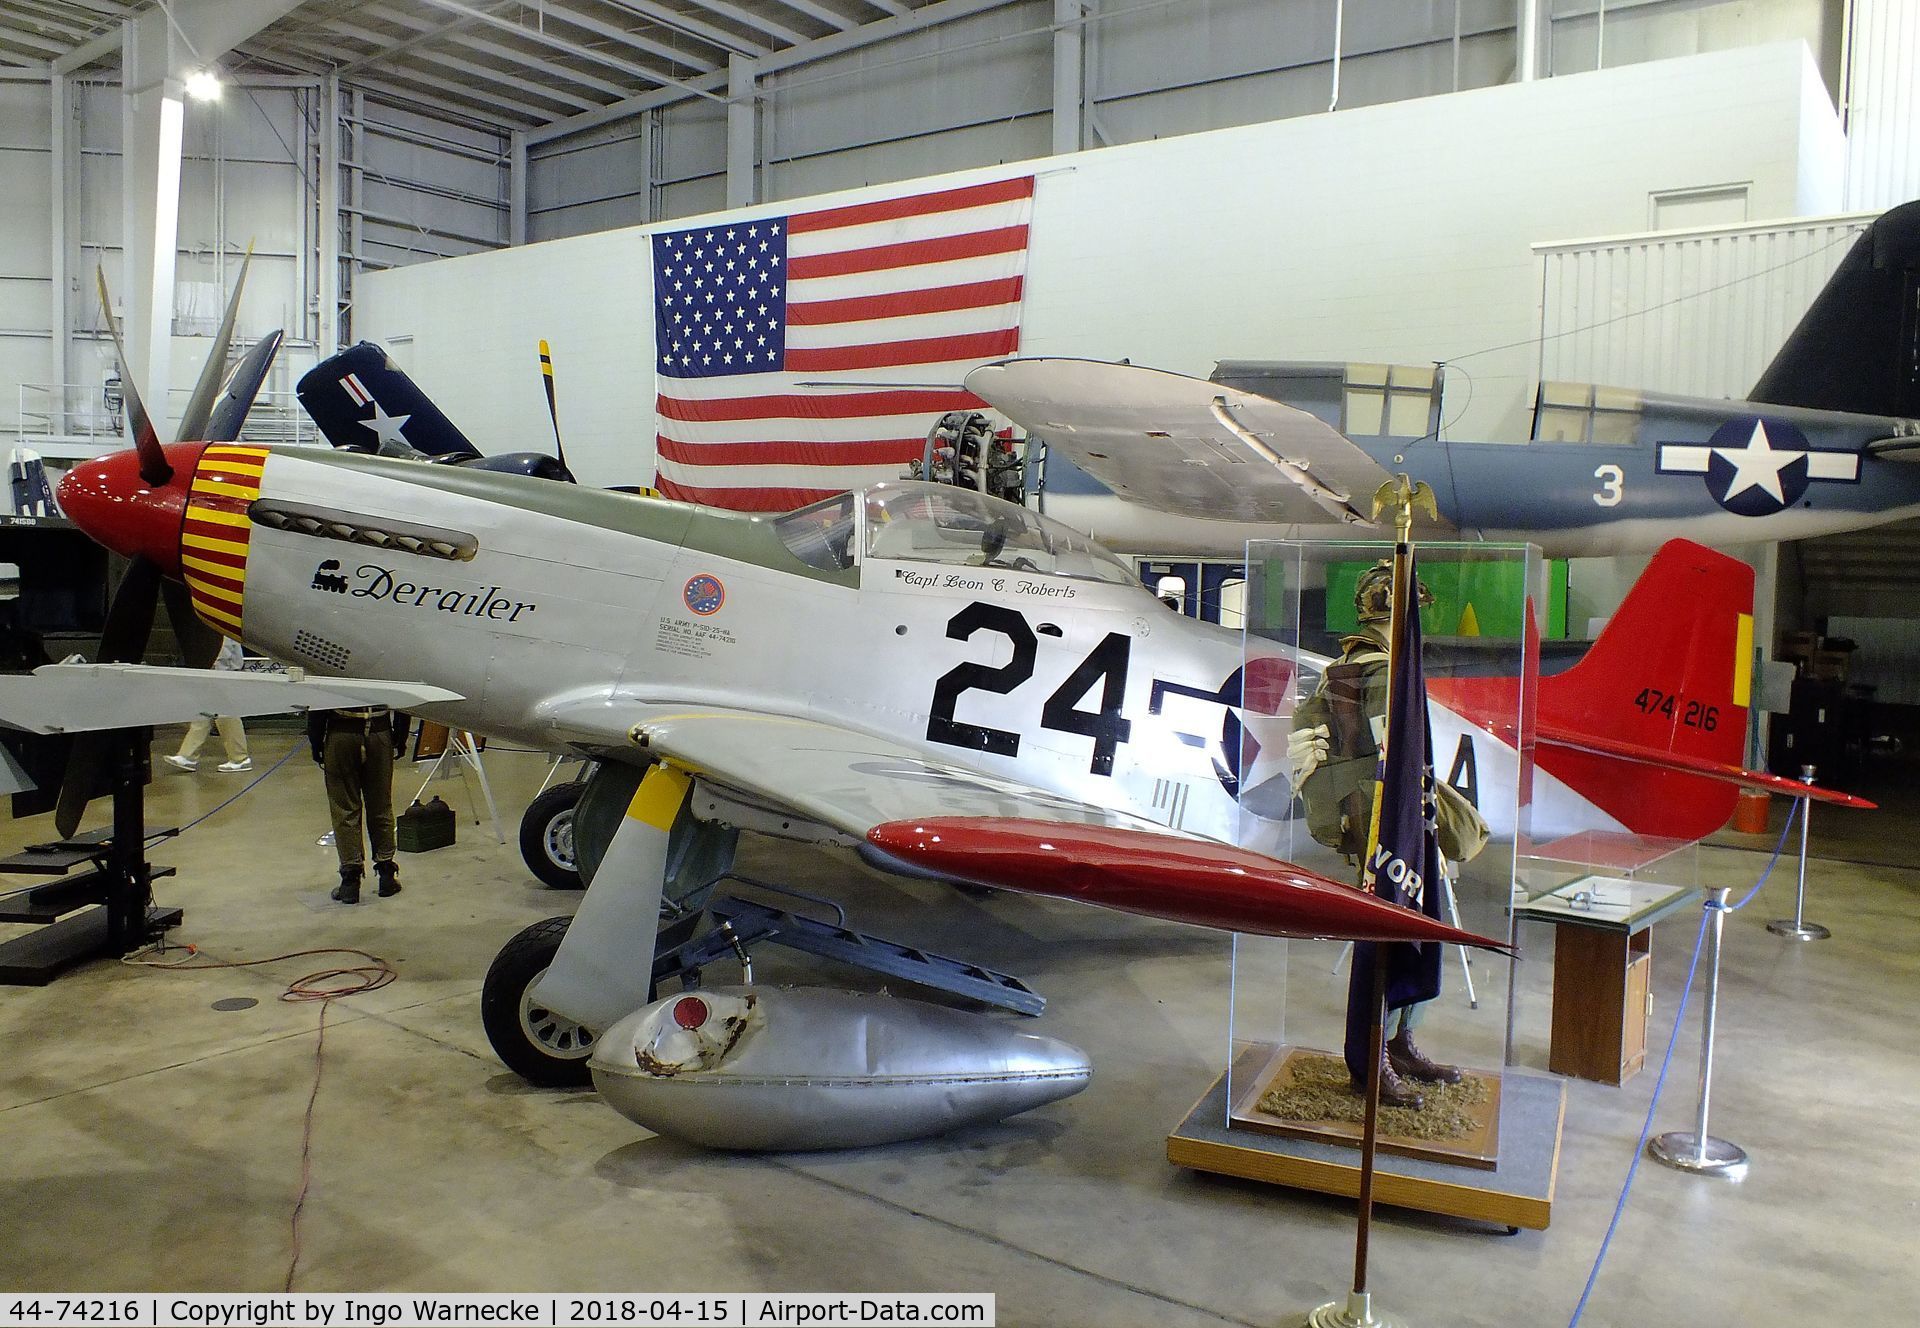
(1695,1150)
(1797,928)
(463,750)
(103,912)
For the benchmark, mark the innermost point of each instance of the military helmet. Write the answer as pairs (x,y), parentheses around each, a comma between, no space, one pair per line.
(1373,594)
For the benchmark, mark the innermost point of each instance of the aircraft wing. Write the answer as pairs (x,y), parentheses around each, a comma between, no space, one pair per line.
(1186,445)
(78,698)
(926,817)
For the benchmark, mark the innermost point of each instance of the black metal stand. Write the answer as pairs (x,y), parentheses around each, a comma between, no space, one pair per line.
(104,912)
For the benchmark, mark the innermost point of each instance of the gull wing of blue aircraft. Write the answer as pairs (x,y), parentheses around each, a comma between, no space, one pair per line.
(1825,445)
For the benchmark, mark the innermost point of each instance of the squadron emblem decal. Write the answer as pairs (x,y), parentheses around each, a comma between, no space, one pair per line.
(704,594)
(1756,467)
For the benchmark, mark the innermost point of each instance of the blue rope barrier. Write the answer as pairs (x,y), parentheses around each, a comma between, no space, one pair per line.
(1747,898)
(257,781)
(1666,1063)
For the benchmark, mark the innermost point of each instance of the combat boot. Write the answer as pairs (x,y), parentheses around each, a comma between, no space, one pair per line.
(389,874)
(1412,1063)
(1394,1091)
(348,891)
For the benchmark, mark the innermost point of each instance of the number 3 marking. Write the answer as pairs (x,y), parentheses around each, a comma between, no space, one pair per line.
(1612,485)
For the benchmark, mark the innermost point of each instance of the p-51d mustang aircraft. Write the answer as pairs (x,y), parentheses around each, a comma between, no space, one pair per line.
(946,682)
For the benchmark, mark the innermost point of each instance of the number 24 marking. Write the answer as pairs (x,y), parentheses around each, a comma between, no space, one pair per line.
(1106,663)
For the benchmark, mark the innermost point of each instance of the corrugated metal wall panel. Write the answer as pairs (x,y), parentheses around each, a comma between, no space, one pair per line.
(1697,312)
(1883,110)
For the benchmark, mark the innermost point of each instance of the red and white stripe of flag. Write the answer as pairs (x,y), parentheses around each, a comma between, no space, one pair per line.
(356,389)
(889,304)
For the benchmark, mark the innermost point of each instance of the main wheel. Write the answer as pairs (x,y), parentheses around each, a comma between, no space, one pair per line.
(539,1045)
(546,837)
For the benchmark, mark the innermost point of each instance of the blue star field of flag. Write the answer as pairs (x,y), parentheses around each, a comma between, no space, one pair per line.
(720,299)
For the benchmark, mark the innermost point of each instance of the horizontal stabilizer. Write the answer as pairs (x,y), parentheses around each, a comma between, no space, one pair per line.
(1160,876)
(80,698)
(1653,757)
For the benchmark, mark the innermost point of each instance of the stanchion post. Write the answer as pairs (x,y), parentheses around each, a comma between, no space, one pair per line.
(1797,928)
(1695,1150)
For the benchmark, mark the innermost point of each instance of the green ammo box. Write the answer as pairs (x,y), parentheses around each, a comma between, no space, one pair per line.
(421,828)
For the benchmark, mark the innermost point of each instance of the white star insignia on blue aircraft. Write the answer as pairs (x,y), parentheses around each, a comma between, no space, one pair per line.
(387,428)
(1756,467)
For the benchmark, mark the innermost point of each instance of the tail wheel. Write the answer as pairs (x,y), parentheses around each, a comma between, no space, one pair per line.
(540,1045)
(546,837)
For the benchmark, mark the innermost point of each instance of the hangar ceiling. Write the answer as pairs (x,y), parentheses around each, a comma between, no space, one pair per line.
(510,64)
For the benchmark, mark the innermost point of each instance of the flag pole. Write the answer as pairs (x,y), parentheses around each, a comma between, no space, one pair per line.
(1401,496)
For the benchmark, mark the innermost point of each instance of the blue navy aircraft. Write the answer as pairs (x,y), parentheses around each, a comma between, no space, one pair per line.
(1826,442)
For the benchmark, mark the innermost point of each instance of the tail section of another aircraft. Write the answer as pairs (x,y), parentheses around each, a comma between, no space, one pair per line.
(1857,348)
(365,402)
(1669,678)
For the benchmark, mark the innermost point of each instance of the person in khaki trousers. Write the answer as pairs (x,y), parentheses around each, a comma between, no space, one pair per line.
(355,749)
(232,732)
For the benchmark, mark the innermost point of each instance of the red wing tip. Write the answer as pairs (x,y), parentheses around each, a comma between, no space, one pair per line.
(1195,881)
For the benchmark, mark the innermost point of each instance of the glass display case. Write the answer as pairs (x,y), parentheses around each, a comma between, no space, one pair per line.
(1289,1003)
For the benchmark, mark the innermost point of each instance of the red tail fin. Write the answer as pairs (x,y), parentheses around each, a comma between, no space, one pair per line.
(1671,673)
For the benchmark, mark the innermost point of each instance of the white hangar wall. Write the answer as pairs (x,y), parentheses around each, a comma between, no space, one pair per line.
(1395,232)
(979,90)
(1613,309)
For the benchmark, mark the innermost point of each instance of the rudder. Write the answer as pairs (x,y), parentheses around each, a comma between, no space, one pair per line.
(1671,673)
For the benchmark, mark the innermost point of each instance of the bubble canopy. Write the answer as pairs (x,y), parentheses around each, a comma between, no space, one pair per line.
(913,521)
(938,523)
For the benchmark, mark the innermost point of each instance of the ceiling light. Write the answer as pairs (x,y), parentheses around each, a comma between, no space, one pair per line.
(203,85)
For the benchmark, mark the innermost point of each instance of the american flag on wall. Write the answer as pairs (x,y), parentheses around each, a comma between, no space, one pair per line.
(804,355)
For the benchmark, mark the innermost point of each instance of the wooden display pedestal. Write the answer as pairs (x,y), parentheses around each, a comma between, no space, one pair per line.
(1517,1193)
(1602,971)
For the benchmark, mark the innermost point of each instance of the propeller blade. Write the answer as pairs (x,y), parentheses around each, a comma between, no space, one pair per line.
(553,405)
(130,616)
(199,643)
(123,640)
(153,462)
(83,780)
(193,421)
(243,385)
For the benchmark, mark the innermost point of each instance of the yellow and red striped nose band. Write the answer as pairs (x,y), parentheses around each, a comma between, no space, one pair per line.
(215,536)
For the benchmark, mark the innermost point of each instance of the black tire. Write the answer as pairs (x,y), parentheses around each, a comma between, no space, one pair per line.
(546,837)
(538,1045)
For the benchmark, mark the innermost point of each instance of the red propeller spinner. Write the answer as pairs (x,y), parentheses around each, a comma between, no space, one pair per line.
(114,503)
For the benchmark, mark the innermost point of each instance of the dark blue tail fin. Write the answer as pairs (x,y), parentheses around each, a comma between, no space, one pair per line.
(364,402)
(1858,347)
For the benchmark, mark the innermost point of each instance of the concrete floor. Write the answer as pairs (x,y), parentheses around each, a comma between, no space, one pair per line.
(148,1140)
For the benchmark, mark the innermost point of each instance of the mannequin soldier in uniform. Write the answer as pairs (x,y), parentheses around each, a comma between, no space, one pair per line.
(355,748)
(1334,750)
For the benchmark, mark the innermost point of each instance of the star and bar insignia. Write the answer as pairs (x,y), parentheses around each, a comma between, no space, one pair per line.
(1756,466)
